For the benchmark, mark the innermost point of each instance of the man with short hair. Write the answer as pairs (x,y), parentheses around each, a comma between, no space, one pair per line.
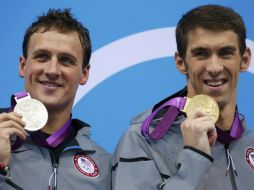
(196,138)
(51,150)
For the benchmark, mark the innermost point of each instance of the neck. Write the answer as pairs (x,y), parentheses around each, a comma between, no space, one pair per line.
(55,121)
(226,117)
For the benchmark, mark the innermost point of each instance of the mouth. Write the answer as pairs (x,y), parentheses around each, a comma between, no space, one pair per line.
(50,84)
(215,83)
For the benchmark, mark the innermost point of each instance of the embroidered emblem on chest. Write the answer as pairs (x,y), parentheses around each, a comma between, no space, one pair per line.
(250,157)
(86,165)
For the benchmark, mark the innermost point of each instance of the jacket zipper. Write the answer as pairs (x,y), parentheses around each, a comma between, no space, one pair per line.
(231,168)
(53,177)
(55,164)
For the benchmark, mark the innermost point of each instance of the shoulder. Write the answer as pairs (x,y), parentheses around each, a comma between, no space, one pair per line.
(85,141)
(247,131)
(134,131)
(249,134)
(132,143)
(139,118)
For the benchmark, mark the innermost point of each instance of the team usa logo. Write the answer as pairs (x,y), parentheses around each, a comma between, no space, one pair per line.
(86,165)
(250,157)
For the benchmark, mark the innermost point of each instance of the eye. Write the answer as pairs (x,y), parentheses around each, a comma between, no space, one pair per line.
(66,61)
(200,54)
(42,57)
(226,53)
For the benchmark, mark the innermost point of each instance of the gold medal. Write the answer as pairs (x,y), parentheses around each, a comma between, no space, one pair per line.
(204,103)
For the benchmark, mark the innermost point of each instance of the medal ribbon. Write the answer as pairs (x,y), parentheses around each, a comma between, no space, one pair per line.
(18,95)
(235,132)
(175,106)
(165,123)
(53,140)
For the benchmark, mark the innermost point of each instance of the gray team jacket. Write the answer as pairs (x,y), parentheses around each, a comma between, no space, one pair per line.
(86,166)
(139,163)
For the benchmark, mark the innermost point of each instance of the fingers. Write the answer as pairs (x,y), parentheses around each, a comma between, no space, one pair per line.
(199,131)
(12,124)
(12,116)
(197,114)
(9,128)
(212,136)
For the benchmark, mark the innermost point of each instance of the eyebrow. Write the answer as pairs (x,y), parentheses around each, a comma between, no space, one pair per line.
(36,52)
(40,51)
(197,49)
(230,48)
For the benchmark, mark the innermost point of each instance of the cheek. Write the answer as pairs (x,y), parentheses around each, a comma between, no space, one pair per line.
(233,72)
(194,72)
(31,72)
(72,77)
(195,76)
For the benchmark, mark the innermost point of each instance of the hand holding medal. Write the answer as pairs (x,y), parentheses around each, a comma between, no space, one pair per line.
(33,112)
(29,114)
(197,108)
(198,129)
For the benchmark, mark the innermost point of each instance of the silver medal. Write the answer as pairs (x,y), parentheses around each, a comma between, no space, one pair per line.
(34,113)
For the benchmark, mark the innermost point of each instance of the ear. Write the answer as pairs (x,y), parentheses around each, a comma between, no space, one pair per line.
(22,66)
(85,75)
(180,65)
(245,60)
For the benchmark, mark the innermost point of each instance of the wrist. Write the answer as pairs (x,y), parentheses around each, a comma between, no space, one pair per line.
(209,157)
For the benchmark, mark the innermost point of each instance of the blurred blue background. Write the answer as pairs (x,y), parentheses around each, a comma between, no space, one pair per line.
(132,64)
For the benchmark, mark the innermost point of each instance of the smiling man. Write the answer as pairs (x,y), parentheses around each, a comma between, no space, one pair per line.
(55,61)
(196,138)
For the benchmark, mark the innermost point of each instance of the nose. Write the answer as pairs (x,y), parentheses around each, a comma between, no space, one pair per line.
(214,66)
(52,69)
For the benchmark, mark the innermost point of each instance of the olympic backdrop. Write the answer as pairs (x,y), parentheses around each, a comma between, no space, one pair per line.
(132,65)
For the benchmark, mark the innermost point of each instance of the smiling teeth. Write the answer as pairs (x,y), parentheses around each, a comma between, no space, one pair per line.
(50,84)
(214,83)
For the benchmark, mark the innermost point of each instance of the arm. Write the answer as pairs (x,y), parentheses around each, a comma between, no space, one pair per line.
(192,165)
(136,165)
(10,124)
(132,165)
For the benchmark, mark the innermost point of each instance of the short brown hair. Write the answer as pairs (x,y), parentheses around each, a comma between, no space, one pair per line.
(64,22)
(212,17)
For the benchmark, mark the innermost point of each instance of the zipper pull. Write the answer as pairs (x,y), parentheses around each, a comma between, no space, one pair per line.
(53,175)
(230,161)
